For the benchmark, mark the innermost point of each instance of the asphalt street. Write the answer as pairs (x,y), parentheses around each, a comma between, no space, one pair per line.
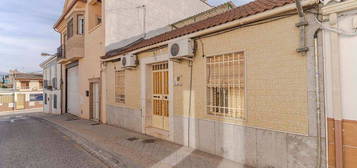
(26,142)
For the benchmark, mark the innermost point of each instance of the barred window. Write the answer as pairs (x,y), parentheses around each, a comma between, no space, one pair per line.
(6,99)
(120,86)
(226,85)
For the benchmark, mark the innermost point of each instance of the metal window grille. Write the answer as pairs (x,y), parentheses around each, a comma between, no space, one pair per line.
(160,89)
(120,86)
(226,85)
(6,99)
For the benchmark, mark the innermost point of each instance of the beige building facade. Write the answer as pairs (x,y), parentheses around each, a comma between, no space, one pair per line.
(246,94)
(82,39)
(82,28)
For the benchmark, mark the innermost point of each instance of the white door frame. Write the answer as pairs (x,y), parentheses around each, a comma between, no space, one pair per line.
(144,63)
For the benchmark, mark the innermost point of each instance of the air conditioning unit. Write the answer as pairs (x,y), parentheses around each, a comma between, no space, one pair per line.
(181,49)
(129,61)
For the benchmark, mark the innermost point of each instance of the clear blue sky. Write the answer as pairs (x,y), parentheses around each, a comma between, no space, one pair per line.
(26,31)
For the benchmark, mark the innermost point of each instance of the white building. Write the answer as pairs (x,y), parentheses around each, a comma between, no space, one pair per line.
(52,86)
(126,19)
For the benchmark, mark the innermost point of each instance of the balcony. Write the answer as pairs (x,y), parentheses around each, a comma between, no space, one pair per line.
(73,50)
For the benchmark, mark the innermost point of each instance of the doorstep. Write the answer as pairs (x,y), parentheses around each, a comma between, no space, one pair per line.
(123,148)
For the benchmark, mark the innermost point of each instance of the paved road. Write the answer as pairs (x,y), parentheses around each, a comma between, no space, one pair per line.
(29,143)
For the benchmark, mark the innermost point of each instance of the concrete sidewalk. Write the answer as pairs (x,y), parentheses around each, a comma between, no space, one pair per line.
(129,149)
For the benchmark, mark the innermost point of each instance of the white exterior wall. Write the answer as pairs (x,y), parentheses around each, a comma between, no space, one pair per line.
(124,19)
(348,68)
(52,70)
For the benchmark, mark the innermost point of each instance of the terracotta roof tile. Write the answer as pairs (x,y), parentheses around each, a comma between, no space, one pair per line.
(252,8)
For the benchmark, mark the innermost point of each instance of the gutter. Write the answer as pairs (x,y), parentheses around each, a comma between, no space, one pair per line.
(239,22)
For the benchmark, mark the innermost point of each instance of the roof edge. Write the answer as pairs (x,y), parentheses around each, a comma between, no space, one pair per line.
(66,12)
(47,61)
(281,6)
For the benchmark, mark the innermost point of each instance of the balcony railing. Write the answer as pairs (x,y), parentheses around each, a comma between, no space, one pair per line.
(25,87)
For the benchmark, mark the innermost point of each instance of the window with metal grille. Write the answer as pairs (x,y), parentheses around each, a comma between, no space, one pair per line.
(226,85)
(6,99)
(120,86)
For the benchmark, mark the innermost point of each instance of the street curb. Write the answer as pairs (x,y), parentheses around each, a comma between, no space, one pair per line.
(110,159)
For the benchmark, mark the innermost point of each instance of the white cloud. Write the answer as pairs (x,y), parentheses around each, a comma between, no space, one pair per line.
(26,31)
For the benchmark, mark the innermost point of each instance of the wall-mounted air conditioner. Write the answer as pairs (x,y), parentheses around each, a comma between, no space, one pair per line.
(181,49)
(129,61)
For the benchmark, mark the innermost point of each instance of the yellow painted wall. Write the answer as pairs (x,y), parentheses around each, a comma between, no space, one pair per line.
(276,77)
(132,82)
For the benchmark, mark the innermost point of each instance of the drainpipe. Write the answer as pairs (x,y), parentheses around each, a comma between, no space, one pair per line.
(303,49)
(301,25)
(318,105)
(190,104)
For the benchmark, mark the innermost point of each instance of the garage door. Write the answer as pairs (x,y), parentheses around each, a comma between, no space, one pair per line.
(73,105)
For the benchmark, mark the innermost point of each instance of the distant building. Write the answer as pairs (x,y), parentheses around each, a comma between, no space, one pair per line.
(25,82)
(52,86)
(24,91)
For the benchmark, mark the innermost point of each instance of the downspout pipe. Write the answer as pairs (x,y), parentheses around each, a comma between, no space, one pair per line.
(301,25)
(318,97)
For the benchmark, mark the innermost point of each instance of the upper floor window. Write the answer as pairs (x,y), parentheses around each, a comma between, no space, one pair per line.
(25,84)
(80,26)
(94,14)
(70,29)
(226,85)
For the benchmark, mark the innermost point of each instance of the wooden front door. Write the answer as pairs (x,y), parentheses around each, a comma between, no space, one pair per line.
(160,96)
(20,103)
